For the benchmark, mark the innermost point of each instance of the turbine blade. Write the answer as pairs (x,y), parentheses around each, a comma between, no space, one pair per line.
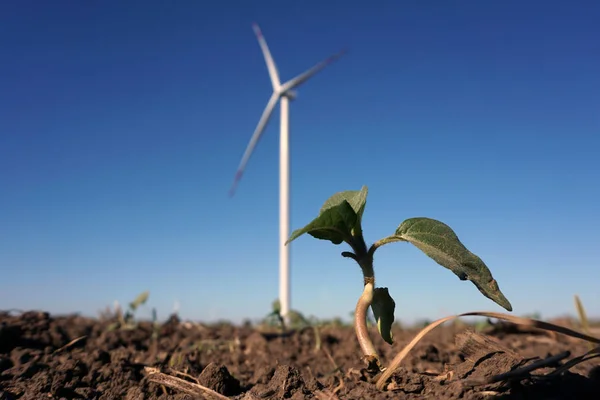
(268,59)
(297,81)
(262,123)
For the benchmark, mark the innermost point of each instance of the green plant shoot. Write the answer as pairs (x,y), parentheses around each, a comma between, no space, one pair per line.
(339,221)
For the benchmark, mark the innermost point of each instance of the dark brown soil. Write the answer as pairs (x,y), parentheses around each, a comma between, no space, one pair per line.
(45,357)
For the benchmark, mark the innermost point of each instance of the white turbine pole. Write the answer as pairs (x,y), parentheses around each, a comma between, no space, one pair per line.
(283,93)
(284,207)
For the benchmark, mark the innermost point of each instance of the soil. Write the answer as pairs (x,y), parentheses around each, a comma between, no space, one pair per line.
(72,357)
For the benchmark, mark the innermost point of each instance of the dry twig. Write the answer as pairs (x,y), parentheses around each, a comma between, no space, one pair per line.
(506,317)
(71,343)
(154,375)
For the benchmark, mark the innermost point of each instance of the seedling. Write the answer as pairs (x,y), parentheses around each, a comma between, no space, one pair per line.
(297,322)
(155,325)
(276,314)
(127,321)
(339,221)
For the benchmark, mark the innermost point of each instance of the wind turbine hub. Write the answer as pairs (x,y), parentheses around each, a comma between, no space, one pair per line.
(290,94)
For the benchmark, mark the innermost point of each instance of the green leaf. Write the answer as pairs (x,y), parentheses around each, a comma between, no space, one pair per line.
(339,219)
(334,224)
(113,326)
(383,308)
(439,242)
(356,198)
(276,306)
(297,319)
(141,299)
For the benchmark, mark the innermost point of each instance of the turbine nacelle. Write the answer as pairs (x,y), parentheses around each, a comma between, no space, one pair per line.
(290,94)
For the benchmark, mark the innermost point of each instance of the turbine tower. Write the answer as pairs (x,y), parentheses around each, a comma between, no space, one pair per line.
(282,93)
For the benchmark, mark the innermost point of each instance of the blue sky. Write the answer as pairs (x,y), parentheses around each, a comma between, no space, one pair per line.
(122,125)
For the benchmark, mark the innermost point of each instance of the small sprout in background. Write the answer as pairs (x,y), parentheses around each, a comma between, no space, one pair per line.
(127,320)
(119,312)
(296,321)
(339,221)
(422,323)
(155,334)
(583,319)
(135,304)
(481,325)
(295,318)
(534,315)
(247,323)
(107,314)
(175,360)
(316,325)
(212,345)
(118,316)
(275,317)
(155,324)
(299,322)
(140,300)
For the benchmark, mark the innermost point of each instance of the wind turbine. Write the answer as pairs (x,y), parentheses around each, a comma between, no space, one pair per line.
(282,93)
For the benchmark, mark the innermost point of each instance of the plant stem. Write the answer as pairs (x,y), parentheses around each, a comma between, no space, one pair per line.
(381,242)
(366,265)
(359,246)
(360,320)
(360,313)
